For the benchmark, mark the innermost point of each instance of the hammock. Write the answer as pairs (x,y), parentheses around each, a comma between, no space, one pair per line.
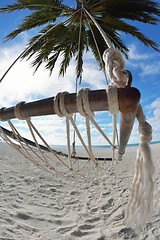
(10,134)
(50,160)
(119,96)
(24,110)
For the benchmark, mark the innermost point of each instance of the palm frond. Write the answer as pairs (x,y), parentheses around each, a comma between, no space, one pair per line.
(32,5)
(140,10)
(120,25)
(32,21)
(78,32)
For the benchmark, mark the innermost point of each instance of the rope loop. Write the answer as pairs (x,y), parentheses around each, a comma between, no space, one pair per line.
(59,106)
(115,66)
(83,105)
(112,99)
(17,111)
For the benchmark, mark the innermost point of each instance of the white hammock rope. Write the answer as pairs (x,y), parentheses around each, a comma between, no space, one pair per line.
(32,129)
(106,39)
(24,151)
(113,109)
(87,109)
(115,67)
(60,110)
(113,106)
(19,116)
(98,51)
(84,109)
(31,154)
(140,204)
(40,156)
(139,207)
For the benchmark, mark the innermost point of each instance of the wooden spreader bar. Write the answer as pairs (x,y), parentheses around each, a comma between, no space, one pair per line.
(128,99)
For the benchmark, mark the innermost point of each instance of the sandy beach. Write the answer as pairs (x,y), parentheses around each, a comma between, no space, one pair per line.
(36,205)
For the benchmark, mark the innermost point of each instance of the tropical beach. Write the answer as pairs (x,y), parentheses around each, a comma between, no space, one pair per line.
(37,205)
(102,85)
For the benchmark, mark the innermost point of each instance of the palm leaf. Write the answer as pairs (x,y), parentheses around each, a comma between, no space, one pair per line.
(78,33)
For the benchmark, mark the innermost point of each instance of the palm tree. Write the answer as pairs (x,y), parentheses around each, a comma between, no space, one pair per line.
(68,31)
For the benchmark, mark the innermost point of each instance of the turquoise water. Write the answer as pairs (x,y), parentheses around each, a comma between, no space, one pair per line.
(101,146)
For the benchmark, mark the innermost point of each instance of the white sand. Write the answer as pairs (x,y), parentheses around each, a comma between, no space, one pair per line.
(35,205)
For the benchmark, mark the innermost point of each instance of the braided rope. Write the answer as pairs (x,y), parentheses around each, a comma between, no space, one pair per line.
(115,66)
(17,110)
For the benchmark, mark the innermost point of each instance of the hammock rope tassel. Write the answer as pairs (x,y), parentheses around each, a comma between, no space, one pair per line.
(140,205)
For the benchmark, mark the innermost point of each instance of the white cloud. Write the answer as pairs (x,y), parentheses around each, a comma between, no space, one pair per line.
(147,63)
(155,104)
(134,54)
(154,118)
(151,69)
(21,85)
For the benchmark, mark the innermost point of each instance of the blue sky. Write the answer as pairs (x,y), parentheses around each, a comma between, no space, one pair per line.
(21,85)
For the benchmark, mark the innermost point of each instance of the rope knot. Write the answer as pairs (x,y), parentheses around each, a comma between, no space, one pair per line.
(83,104)
(17,111)
(59,105)
(115,66)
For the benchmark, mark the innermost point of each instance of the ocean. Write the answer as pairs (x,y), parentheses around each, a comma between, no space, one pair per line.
(64,147)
